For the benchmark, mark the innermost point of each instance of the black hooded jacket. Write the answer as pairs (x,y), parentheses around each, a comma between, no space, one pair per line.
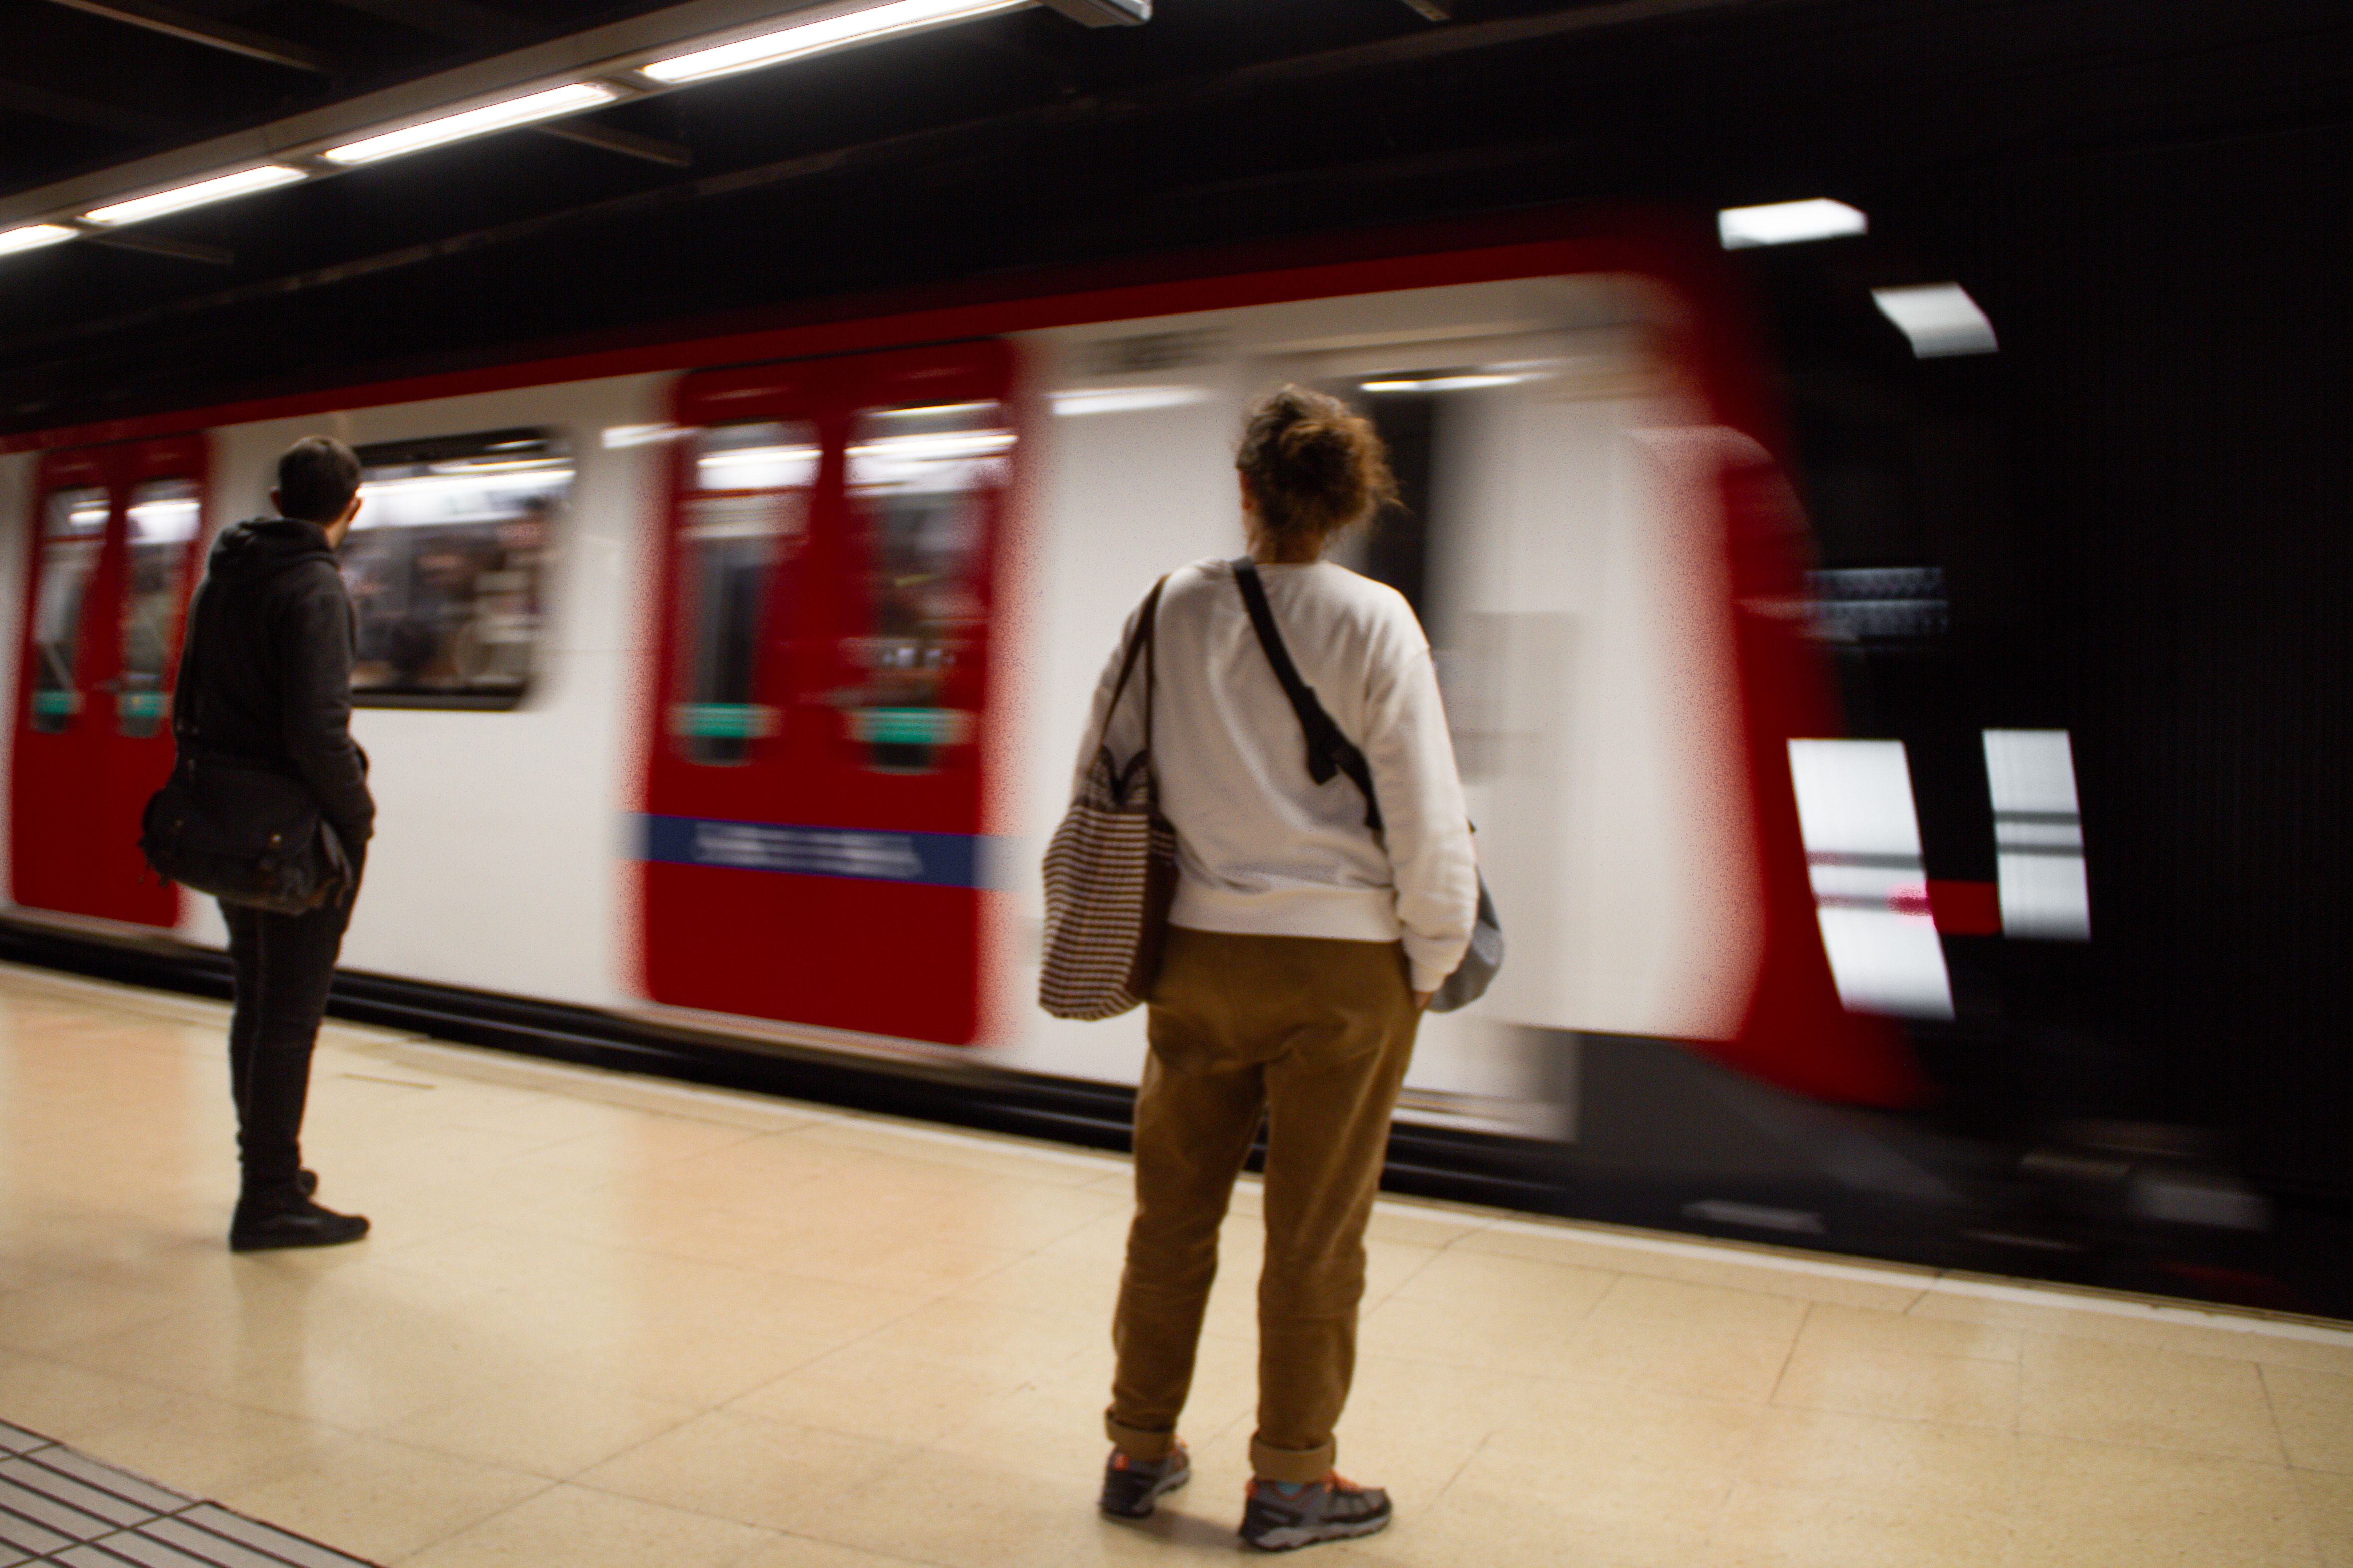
(267,672)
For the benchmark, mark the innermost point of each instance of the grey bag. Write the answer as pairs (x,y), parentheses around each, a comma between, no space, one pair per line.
(1329,752)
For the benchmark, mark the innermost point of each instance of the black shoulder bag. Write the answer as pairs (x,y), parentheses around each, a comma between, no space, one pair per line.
(1329,752)
(245,830)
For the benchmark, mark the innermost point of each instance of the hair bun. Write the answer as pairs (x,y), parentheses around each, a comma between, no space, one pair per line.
(1313,465)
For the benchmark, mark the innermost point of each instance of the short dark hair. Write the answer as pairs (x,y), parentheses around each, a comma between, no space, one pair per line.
(1313,465)
(317,479)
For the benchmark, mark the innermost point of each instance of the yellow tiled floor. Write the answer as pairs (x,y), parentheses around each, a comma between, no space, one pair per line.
(609,1321)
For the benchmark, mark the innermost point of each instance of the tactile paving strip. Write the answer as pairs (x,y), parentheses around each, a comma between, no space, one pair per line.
(58,1506)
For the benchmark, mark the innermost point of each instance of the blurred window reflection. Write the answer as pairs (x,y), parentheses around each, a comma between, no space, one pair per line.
(746,517)
(72,535)
(444,563)
(2038,834)
(164,517)
(922,483)
(1870,889)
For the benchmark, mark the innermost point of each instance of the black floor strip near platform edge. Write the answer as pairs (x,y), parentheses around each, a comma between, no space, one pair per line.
(1423,1162)
(64,1507)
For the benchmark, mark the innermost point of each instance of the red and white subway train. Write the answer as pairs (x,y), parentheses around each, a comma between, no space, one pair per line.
(733,679)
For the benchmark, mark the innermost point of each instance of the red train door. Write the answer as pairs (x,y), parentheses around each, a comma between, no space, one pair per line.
(811,848)
(115,535)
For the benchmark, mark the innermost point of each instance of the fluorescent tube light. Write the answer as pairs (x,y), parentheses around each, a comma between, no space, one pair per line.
(743,457)
(1124,399)
(933,411)
(825,32)
(219,188)
(525,110)
(1788,223)
(616,436)
(934,446)
(1940,318)
(32,236)
(1443,382)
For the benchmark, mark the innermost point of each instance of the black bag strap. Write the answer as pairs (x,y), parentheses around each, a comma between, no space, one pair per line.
(1328,751)
(184,681)
(1138,645)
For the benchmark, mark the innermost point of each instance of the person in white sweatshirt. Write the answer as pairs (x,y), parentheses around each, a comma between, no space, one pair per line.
(1304,944)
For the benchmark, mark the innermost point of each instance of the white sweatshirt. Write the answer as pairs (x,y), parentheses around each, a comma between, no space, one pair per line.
(1261,848)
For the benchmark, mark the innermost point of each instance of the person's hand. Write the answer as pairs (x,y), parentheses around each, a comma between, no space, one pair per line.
(1421,999)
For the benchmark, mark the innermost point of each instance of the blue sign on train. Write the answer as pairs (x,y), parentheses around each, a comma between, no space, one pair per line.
(934,860)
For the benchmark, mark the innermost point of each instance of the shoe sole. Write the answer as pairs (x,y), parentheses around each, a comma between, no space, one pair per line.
(274,1245)
(1144,1505)
(1290,1538)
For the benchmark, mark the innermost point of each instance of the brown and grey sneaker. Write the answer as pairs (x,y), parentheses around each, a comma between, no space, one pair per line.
(1283,1518)
(1132,1486)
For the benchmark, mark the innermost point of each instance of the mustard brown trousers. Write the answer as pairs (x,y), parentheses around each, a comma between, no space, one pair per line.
(1313,1035)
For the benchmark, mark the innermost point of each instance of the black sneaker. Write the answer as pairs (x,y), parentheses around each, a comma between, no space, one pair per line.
(1132,1486)
(299,1223)
(1331,1510)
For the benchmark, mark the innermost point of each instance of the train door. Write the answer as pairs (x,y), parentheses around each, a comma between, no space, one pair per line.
(1604,576)
(114,552)
(811,844)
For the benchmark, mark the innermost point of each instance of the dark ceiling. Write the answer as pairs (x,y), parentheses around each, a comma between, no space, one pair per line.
(1018,140)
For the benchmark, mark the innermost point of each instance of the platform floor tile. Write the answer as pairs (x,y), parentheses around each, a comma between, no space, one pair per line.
(604,1321)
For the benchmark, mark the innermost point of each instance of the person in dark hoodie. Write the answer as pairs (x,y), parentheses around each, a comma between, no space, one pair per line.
(266,678)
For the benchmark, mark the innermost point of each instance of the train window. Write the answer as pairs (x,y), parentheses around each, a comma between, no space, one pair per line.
(921,482)
(164,517)
(746,517)
(1395,549)
(72,535)
(444,563)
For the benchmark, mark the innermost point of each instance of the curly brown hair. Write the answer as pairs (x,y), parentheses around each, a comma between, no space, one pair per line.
(1313,467)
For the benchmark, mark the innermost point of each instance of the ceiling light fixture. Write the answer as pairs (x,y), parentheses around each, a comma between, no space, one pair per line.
(32,236)
(862,25)
(1788,223)
(532,108)
(1938,318)
(180,198)
(327,142)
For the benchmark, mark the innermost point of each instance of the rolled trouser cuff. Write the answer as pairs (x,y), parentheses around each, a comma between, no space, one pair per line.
(1299,1466)
(1136,1443)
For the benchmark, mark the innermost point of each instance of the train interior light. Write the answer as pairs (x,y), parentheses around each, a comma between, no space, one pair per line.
(165,514)
(204,193)
(1080,401)
(552,104)
(755,457)
(617,437)
(837,31)
(1937,319)
(1788,223)
(1467,381)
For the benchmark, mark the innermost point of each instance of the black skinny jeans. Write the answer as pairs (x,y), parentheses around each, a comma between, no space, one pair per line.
(284,964)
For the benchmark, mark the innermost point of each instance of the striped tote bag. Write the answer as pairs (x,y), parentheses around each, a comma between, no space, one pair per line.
(1111,869)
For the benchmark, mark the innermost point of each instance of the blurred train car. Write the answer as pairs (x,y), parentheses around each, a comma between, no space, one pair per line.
(721,693)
